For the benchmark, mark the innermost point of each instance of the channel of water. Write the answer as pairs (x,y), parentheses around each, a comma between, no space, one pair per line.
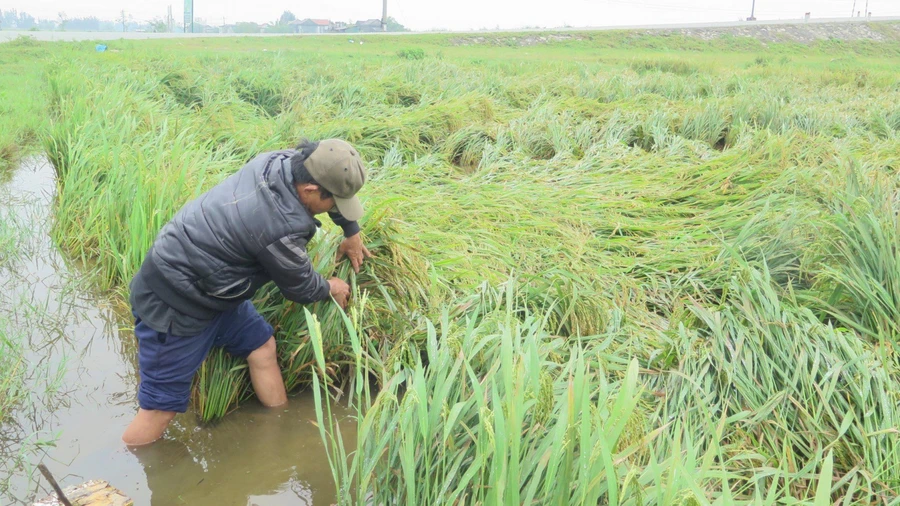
(83,380)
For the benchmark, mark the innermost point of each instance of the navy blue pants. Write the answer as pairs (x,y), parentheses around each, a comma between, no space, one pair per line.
(168,363)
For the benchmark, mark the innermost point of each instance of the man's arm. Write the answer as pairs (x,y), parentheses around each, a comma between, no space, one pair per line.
(350,228)
(288,264)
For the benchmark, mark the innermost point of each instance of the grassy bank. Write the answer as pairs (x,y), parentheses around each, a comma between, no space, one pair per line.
(613,268)
(22,103)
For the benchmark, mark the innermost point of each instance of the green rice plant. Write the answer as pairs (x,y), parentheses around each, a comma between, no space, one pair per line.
(761,112)
(14,234)
(401,93)
(515,412)
(259,92)
(585,136)
(655,132)
(21,99)
(411,53)
(221,383)
(667,86)
(709,125)
(13,369)
(182,89)
(532,135)
(466,146)
(761,61)
(810,121)
(678,67)
(885,123)
(470,425)
(619,129)
(865,262)
(791,386)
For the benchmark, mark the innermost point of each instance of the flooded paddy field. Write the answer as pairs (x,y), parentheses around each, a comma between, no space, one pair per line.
(608,267)
(81,383)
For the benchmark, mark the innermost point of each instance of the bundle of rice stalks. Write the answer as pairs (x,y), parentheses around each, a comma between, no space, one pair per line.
(183,89)
(263,93)
(864,264)
(709,125)
(401,290)
(466,146)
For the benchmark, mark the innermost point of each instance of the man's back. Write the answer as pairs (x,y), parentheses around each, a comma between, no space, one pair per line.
(206,260)
(192,292)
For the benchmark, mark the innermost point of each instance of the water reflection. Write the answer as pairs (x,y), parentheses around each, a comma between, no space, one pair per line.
(255,455)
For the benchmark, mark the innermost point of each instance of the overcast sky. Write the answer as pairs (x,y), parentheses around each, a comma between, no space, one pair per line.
(463,14)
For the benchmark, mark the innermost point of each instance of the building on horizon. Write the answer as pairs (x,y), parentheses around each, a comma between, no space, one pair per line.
(309,25)
(369,25)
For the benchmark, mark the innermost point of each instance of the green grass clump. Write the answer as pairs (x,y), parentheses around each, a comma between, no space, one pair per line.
(614,268)
(865,264)
(412,53)
(21,103)
(12,369)
(675,67)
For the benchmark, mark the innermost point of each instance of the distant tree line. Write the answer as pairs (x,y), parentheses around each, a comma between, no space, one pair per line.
(13,20)
(282,25)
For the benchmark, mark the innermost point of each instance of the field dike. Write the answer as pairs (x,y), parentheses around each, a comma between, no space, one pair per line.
(601,276)
(747,34)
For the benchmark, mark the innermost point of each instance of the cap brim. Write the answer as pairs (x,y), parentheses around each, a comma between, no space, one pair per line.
(350,209)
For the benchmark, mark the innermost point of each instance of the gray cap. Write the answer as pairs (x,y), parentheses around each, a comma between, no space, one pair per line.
(339,169)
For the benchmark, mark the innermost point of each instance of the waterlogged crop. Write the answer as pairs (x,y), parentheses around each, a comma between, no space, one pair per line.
(604,273)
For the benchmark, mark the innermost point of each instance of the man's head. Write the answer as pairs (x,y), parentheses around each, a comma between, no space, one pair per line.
(327,175)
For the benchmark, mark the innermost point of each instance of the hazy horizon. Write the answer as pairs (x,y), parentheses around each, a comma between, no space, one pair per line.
(459,15)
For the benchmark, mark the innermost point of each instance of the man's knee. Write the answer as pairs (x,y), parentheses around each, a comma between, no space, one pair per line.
(148,426)
(264,355)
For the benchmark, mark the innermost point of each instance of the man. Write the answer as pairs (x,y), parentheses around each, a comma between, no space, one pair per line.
(193,289)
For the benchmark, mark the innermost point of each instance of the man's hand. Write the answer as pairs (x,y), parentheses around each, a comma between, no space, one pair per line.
(352,247)
(340,290)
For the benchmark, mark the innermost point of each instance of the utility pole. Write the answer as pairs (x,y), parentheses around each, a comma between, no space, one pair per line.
(384,15)
(752,12)
(867,9)
(188,16)
(122,20)
(853,9)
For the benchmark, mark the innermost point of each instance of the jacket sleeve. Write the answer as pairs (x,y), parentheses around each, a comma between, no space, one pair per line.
(288,264)
(351,228)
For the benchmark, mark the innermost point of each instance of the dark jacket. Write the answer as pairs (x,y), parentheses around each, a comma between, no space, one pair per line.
(222,247)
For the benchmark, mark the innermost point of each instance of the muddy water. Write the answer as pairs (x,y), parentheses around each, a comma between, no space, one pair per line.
(83,382)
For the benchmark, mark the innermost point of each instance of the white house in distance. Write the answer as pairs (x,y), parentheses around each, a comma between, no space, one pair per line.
(312,26)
